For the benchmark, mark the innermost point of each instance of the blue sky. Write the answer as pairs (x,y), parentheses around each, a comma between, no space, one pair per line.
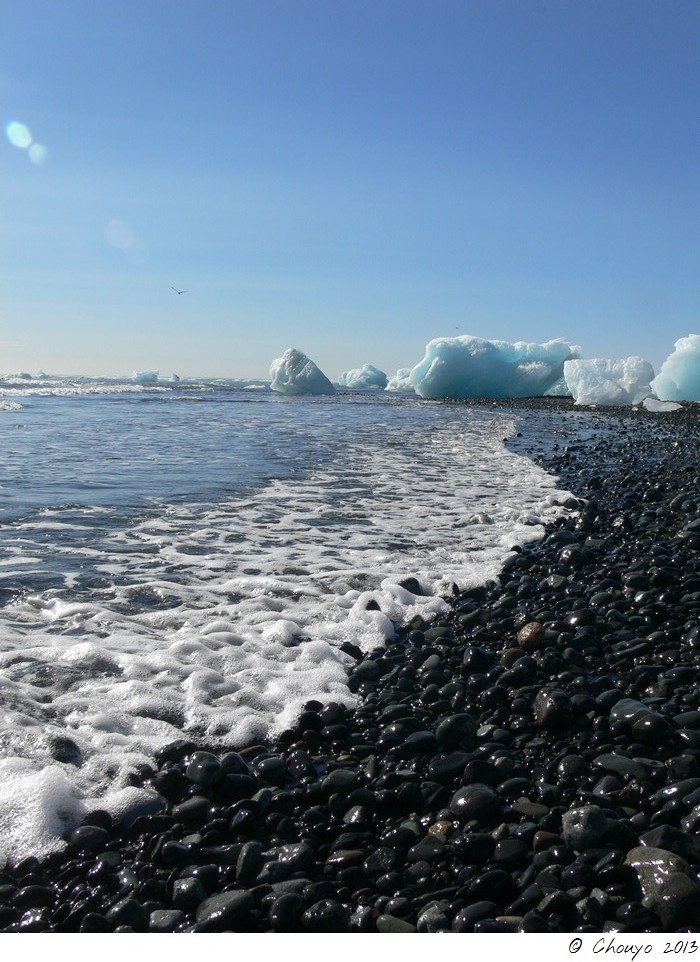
(348,177)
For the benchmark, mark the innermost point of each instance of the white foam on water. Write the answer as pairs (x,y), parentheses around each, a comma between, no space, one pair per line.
(141,382)
(220,619)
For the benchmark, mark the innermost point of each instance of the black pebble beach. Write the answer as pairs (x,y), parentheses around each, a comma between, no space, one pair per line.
(529,763)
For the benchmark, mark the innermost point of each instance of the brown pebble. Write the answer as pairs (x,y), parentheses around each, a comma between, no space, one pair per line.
(531,636)
(544,840)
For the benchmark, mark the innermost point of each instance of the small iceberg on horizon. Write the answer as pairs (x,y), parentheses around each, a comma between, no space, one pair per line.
(401,381)
(145,377)
(295,373)
(365,378)
(598,380)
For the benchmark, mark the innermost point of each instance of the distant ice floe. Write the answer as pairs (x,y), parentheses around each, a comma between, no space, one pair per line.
(295,373)
(140,382)
(679,377)
(468,366)
(20,378)
(146,377)
(364,378)
(604,381)
(401,381)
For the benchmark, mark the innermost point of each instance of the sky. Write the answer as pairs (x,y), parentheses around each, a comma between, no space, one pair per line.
(347,177)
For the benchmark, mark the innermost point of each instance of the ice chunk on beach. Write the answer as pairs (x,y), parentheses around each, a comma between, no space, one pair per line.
(364,378)
(659,407)
(679,377)
(599,380)
(295,373)
(468,366)
(400,381)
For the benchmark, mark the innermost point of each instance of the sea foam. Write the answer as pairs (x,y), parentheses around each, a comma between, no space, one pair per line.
(217,619)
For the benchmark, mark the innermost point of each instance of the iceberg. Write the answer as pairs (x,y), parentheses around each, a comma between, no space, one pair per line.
(598,380)
(363,378)
(679,377)
(294,373)
(559,389)
(400,381)
(145,377)
(658,407)
(468,366)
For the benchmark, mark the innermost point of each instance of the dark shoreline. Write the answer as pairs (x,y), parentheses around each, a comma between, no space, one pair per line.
(497,775)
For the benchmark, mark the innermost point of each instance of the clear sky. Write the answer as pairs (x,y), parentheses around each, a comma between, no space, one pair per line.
(348,177)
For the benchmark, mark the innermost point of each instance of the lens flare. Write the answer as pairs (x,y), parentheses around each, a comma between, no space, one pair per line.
(119,234)
(38,154)
(18,134)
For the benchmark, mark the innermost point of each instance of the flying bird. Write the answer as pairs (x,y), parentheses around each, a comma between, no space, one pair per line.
(177,291)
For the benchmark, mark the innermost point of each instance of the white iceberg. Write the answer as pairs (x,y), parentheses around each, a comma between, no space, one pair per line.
(679,377)
(599,380)
(400,381)
(294,373)
(467,366)
(145,377)
(658,407)
(364,378)
(559,389)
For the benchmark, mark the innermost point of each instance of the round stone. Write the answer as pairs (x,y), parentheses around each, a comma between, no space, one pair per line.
(222,911)
(327,915)
(188,893)
(90,838)
(193,810)
(474,801)
(531,636)
(584,827)
(203,768)
(456,731)
(285,912)
(165,920)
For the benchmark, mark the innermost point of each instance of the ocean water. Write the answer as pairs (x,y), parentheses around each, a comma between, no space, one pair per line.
(187,559)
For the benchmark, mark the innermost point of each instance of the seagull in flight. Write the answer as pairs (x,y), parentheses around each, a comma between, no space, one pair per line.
(177,291)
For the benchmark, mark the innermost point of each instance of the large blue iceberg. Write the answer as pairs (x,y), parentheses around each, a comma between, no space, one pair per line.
(598,380)
(467,366)
(364,378)
(294,373)
(679,377)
